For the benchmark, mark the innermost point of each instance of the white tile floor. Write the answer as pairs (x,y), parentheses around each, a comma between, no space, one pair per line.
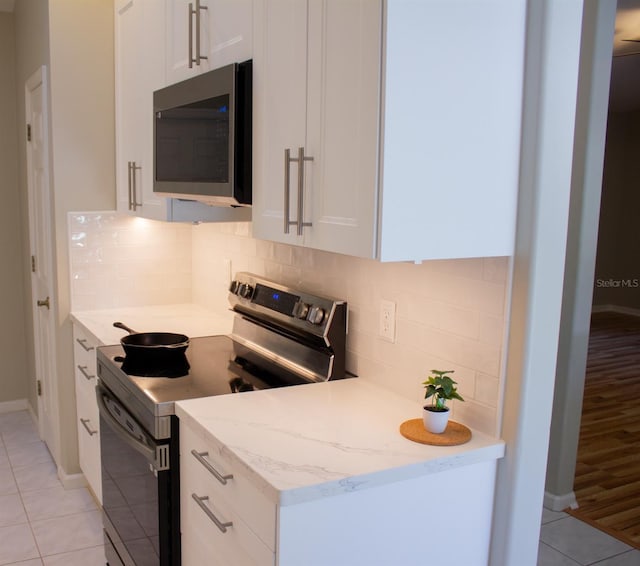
(566,541)
(41,523)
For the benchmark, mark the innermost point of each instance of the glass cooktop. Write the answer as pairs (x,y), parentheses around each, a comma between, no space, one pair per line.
(211,365)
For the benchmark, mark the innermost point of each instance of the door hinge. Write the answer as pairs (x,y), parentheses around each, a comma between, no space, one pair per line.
(39,387)
(33,264)
(28,132)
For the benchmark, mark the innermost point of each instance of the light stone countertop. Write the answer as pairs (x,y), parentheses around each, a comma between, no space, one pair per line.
(312,441)
(190,319)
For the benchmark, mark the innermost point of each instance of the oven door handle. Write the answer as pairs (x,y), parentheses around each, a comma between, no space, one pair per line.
(157,456)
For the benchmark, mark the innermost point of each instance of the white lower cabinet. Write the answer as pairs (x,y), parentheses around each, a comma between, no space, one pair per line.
(214,494)
(88,421)
(380,525)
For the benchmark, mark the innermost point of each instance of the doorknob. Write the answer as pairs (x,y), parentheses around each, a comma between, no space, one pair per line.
(44,303)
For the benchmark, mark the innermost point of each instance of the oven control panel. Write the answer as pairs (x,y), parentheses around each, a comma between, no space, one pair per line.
(294,307)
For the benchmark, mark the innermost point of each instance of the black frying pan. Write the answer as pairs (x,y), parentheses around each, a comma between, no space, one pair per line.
(153,347)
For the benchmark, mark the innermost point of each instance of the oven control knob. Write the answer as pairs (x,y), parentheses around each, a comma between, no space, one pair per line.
(233,288)
(245,290)
(301,310)
(316,315)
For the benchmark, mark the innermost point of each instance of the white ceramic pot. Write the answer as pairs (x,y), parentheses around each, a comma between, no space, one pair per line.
(435,421)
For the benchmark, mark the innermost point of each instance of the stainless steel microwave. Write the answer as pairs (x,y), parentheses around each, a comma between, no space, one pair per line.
(202,137)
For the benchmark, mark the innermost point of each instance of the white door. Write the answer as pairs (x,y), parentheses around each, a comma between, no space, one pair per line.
(41,236)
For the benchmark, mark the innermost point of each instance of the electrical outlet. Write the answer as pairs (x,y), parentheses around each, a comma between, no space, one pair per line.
(387,328)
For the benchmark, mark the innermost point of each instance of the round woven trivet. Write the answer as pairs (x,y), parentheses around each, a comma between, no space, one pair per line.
(455,433)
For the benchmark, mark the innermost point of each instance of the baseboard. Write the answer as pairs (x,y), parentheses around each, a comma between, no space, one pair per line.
(560,502)
(71,481)
(616,308)
(33,415)
(11,406)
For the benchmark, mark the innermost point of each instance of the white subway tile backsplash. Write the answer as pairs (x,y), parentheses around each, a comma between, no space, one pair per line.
(450,314)
(487,389)
(117,260)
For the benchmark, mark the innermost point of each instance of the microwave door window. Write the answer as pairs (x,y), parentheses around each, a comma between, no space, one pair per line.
(192,142)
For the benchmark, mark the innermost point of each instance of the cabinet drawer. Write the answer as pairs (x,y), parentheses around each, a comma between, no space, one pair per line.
(201,538)
(200,459)
(89,440)
(84,350)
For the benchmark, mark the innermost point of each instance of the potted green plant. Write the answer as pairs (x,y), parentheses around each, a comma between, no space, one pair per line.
(440,388)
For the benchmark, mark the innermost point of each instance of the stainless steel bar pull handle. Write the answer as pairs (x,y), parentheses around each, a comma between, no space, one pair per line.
(201,457)
(83,343)
(190,14)
(195,13)
(83,371)
(223,526)
(85,424)
(130,183)
(301,160)
(287,190)
(287,195)
(133,203)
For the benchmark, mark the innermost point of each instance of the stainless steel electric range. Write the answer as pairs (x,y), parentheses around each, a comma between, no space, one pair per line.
(281,336)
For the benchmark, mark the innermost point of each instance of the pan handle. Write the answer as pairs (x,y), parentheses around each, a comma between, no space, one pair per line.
(124,327)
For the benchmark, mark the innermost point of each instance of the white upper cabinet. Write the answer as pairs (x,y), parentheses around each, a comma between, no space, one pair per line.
(408,115)
(206,34)
(140,69)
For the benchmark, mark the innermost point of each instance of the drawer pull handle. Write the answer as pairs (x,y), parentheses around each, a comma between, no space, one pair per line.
(83,371)
(201,457)
(86,426)
(200,501)
(83,343)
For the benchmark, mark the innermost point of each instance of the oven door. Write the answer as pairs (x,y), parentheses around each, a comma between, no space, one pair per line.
(141,522)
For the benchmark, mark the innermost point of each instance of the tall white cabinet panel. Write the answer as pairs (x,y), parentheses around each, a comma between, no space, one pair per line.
(315,89)
(411,137)
(139,42)
(224,35)
(451,123)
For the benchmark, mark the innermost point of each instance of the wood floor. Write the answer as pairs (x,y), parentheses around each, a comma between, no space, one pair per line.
(607,479)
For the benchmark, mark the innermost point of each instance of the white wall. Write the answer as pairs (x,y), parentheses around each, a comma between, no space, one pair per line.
(13,378)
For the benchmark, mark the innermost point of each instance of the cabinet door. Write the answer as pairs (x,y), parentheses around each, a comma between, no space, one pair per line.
(128,23)
(343,107)
(279,121)
(317,86)
(139,71)
(225,35)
